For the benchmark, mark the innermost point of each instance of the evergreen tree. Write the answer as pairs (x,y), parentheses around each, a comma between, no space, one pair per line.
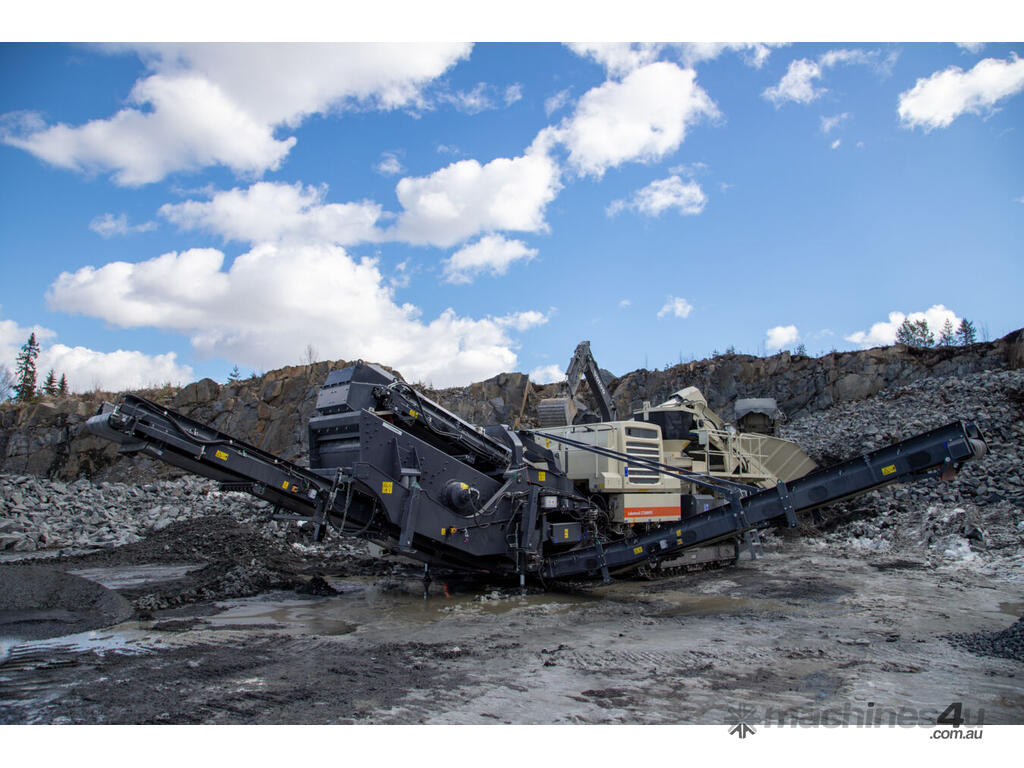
(62,386)
(915,333)
(948,336)
(965,334)
(26,371)
(923,334)
(235,375)
(50,383)
(905,333)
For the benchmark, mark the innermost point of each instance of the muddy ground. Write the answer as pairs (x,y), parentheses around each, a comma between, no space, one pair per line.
(220,635)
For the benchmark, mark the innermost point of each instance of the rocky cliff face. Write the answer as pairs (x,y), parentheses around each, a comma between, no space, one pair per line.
(48,438)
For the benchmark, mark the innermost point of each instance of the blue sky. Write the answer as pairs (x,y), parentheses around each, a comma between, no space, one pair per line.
(456,211)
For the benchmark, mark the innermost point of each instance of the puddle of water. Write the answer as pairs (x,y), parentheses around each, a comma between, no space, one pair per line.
(129,637)
(1014,609)
(363,602)
(120,577)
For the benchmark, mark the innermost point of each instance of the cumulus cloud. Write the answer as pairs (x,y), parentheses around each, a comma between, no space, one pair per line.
(660,195)
(675,307)
(276,298)
(619,58)
(522,321)
(547,374)
(466,198)
(781,336)
(835,144)
(491,253)
(936,101)
(971,47)
(389,164)
(753,54)
(643,117)
(622,58)
(884,333)
(220,104)
(799,84)
(108,225)
(13,336)
(271,211)
(86,369)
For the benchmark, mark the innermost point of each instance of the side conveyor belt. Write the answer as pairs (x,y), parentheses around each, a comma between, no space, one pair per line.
(944,447)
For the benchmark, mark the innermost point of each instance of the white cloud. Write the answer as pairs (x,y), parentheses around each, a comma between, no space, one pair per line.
(884,333)
(513,93)
(625,303)
(465,199)
(781,336)
(86,369)
(644,117)
(971,47)
(754,54)
(799,82)
(491,253)
(276,298)
(830,123)
(835,144)
(622,58)
(13,336)
(470,102)
(547,374)
(619,58)
(660,195)
(220,104)
(270,211)
(389,164)
(522,321)
(108,225)
(554,103)
(936,101)
(676,307)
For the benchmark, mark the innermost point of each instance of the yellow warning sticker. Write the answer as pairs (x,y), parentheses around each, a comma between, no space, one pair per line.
(889,470)
(638,550)
(285,485)
(444,531)
(679,532)
(541,476)
(387,486)
(567,533)
(413,413)
(221,455)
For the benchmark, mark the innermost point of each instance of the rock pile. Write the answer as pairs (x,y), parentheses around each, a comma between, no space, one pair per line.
(974,520)
(39,514)
(1008,644)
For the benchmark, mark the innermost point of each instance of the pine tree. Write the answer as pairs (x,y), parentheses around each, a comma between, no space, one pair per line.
(26,370)
(50,383)
(235,375)
(948,336)
(965,333)
(905,333)
(62,386)
(924,335)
